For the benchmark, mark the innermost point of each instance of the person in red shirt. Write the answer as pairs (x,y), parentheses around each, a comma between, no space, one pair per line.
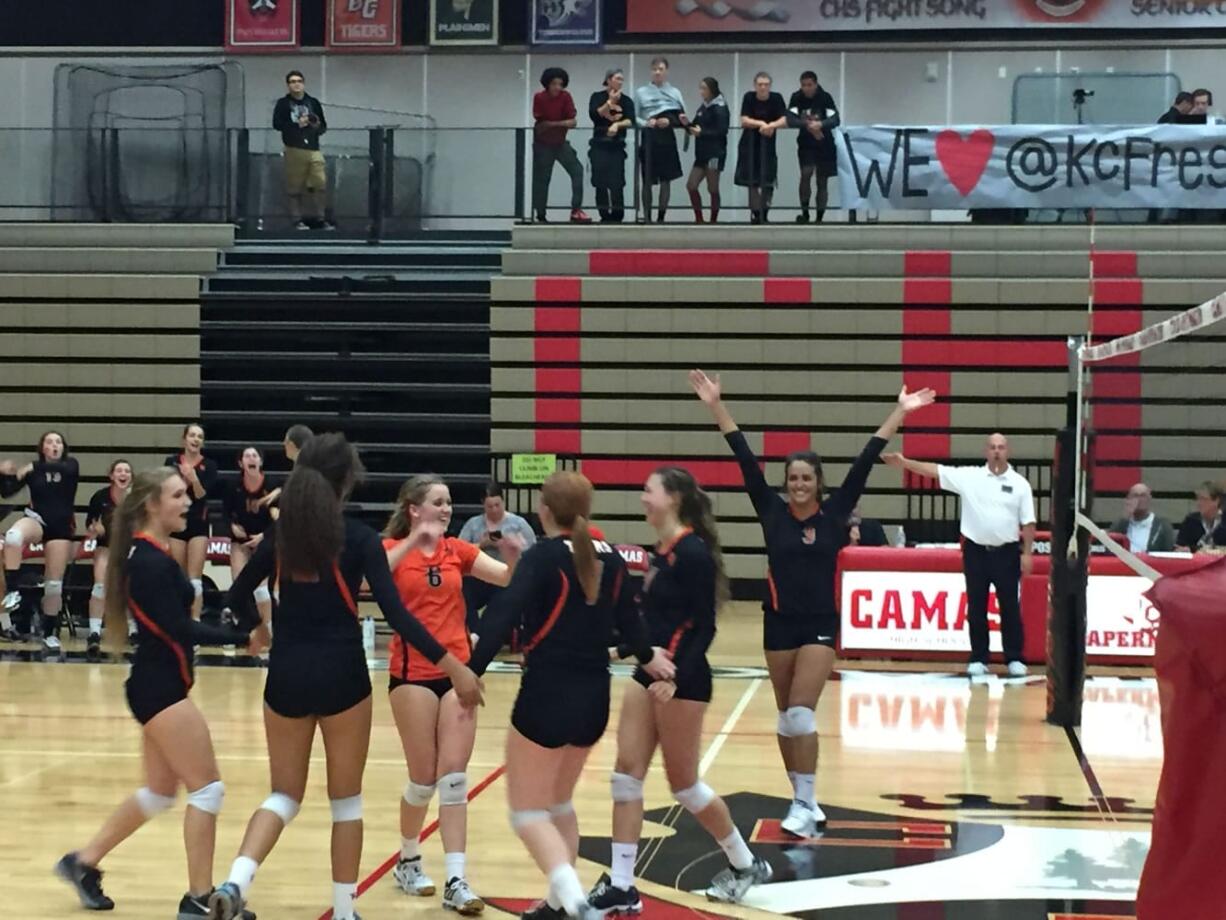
(553,110)
(437,732)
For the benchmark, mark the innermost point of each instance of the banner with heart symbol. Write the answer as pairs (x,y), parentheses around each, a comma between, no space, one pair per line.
(1032,166)
(262,25)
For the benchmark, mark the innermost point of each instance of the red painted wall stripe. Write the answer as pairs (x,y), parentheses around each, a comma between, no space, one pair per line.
(556,350)
(669,262)
(557,319)
(787,290)
(782,443)
(564,350)
(1109,264)
(558,411)
(927,294)
(1120,433)
(633,471)
(559,290)
(558,440)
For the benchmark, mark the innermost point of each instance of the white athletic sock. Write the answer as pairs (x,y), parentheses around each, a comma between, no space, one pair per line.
(564,884)
(410,848)
(805,788)
(95,626)
(625,855)
(552,900)
(453,865)
(242,873)
(792,780)
(734,848)
(131,626)
(6,621)
(343,896)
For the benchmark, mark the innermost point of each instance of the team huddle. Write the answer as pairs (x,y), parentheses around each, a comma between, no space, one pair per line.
(570,599)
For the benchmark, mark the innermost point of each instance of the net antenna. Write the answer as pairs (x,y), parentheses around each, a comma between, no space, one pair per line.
(1196,319)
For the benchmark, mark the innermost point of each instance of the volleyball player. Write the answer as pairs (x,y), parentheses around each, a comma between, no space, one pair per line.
(317,559)
(682,591)
(52,481)
(190,545)
(567,595)
(249,514)
(436,730)
(177,748)
(800,623)
(102,505)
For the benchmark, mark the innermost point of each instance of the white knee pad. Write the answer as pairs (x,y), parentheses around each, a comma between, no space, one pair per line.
(418,795)
(797,721)
(349,809)
(262,595)
(696,798)
(453,789)
(282,806)
(522,819)
(53,587)
(562,809)
(98,591)
(208,798)
(13,537)
(197,587)
(152,804)
(626,788)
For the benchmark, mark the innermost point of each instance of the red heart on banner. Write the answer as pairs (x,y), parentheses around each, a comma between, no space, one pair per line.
(965,159)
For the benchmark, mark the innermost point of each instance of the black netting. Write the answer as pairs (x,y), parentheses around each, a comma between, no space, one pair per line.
(144,143)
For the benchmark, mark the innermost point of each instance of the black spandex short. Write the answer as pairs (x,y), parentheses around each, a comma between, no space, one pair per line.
(558,708)
(149,694)
(783,634)
(195,528)
(313,680)
(693,682)
(58,530)
(439,687)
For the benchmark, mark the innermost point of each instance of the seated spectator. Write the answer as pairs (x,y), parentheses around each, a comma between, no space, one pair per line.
(1146,532)
(486,531)
(1181,106)
(862,531)
(1203,528)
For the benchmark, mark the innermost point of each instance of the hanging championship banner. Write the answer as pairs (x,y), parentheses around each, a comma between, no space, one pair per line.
(463,22)
(690,16)
(363,25)
(262,25)
(1033,166)
(566,22)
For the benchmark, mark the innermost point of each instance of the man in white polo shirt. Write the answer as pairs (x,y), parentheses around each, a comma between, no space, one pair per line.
(997,535)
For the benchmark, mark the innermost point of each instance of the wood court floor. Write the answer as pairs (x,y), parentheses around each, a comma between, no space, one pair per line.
(947,799)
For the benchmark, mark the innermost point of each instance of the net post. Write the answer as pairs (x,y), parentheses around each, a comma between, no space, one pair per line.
(1070,561)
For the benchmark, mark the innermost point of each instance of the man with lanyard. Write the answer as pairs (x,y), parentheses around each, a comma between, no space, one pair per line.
(997,529)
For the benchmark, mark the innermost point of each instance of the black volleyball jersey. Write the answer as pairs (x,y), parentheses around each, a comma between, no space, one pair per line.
(802,553)
(206,472)
(558,627)
(101,509)
(53,488)
(678,598)
(240,506)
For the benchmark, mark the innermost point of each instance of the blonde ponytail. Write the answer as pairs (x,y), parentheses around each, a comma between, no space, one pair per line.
(587,565)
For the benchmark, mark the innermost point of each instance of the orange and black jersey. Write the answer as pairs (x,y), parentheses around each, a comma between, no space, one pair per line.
(160,599)
(678,598)
(559,628)
(53,489)
(325,611)
(240,506)
(206,472)
(102,508)
(802,553)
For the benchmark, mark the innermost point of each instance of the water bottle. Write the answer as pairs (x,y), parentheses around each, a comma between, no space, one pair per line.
(368,636)
(900,540)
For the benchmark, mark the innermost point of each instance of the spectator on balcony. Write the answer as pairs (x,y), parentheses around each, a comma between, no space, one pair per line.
(300,119)
(1146,532)
(1181,106)
(659,109)
(487,531)
(862,531)
(709,129)
(554,112)
(1204,527)
(811,110)
(612,114)
(757,165)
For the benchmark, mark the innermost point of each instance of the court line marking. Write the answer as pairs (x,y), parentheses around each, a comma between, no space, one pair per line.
(673,814)
(365,884)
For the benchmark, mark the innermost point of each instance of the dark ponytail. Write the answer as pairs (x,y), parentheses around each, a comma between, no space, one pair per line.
(128,518)
(311,528)
(696,512)
(568,495)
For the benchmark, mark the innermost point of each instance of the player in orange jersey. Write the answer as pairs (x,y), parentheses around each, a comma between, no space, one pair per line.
(437,732)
